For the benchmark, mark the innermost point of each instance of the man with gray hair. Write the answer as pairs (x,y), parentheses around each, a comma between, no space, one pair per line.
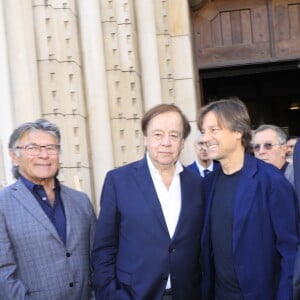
(46,228)
(269,145)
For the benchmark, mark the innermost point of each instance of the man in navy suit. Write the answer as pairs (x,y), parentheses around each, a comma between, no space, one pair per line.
(296,163)
(203,165)
(147,241)
(250,236)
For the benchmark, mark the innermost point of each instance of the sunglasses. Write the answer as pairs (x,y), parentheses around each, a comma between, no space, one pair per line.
(266,146)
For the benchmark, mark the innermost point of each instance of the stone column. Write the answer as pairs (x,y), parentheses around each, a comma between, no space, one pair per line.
(22,60)
(96,91)
(185,73)
(6,111)
(148,51)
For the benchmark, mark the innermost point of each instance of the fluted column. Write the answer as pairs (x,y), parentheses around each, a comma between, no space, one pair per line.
(96,90)
(148,51)
(22,60)
(6,111)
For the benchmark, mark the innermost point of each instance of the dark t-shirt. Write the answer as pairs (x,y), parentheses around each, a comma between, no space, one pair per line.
(226,284)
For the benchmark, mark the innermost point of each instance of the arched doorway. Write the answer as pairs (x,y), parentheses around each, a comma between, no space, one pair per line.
(251,49)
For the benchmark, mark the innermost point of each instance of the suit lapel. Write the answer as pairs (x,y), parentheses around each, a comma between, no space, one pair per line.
(24,197)
(195,167)
(210,185)
(245,197)
(66,200)
(145,183)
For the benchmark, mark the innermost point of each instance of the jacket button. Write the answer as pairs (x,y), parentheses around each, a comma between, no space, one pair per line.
(68,254)
(71,284)
(171,250)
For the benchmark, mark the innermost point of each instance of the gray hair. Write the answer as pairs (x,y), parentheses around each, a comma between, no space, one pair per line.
(281,135)
(40,124)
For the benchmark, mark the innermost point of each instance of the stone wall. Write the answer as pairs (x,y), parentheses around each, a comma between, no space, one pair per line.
(93,67)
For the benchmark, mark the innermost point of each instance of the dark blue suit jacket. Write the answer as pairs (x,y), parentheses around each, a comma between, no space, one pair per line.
(133,252)
(296,164)
(265,233)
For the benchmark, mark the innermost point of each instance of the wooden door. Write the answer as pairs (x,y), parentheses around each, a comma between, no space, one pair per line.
(286,26)
(235,32)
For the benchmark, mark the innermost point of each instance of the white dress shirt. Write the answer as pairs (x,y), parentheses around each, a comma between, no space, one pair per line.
(170,200)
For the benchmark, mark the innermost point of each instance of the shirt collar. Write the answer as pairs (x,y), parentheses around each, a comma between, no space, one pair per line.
(153,169)
(201,168)
(30,185)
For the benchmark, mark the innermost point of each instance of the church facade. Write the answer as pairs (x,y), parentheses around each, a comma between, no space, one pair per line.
(93,68)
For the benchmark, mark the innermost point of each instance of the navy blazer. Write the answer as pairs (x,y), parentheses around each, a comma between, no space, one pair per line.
(296,164)
(133,252)
(265,236)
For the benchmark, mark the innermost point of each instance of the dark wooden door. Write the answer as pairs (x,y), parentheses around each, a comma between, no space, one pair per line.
(236,32)
(286,26)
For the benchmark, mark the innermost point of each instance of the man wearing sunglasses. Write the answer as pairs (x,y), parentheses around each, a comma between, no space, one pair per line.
(269,145)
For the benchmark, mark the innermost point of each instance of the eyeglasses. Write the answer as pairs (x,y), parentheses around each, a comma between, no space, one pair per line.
(33,149)
(266,146)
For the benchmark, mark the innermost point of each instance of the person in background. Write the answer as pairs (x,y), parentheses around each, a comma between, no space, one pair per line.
(203,165)
(147,241)
(46,228)
(296,164)
(250,238)
(269,145)
(291,141)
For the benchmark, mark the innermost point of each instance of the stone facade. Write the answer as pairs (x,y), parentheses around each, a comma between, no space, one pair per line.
(93,67)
